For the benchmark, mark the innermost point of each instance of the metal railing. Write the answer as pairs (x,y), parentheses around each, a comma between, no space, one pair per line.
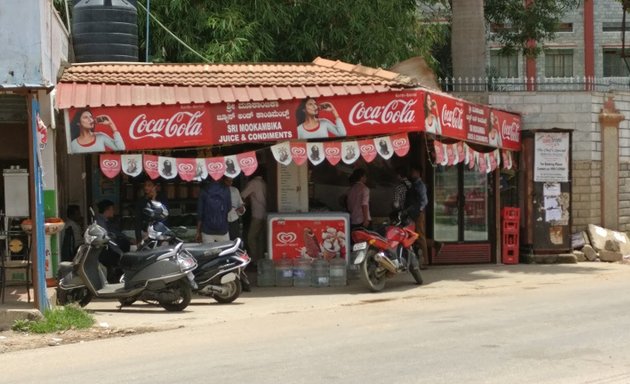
(537,84)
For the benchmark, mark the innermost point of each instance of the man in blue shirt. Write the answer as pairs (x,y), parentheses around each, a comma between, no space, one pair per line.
(213,206)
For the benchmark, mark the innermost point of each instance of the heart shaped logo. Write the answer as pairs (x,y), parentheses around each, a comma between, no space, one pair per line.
(151,165)
(185,167)
(286,237)
(110,165)
(247,162)
(332,151)
(398,143)
(298,152)
(216,167)
(368,150)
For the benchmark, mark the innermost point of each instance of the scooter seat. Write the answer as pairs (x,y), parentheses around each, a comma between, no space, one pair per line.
(207,251)
(135,260)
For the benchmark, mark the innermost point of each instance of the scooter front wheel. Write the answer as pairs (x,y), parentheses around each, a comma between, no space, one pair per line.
(183,293)
(81,296)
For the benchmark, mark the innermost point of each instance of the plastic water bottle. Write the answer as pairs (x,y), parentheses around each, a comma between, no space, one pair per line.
(338,272)
(321,273)
(266,273)
(284,272)
(302,273)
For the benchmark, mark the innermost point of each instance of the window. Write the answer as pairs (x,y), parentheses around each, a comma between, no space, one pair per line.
(614,26)
(559,63)
(503,65)
(565,27)
(614,65)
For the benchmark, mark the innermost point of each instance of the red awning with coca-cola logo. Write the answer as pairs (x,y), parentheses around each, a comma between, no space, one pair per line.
(103,129)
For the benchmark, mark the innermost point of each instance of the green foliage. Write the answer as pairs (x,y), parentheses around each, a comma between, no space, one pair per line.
(519,23)
(57,319)
(371,32)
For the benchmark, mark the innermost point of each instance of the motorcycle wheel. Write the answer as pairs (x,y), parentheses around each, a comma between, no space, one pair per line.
(184,293)
(368,272)
(414,266)
(81,296)
(233,292)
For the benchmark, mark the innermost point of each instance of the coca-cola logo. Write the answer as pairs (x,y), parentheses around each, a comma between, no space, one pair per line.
(247,162)
(110,164)
(399,143)
(185,167)
(181,124)
(395,112)
(367,148)
(453,118)
(511,131)
(151,165)
(298,151)
(286,237)
(332,151)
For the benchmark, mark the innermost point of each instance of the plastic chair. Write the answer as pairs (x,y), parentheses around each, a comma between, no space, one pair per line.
(9,266)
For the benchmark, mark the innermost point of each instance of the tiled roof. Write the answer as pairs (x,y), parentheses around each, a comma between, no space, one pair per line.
(110,84)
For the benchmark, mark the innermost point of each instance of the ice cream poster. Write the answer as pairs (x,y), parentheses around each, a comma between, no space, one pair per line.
(300,236)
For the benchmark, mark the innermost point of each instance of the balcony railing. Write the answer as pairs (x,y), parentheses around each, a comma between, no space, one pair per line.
(538,84)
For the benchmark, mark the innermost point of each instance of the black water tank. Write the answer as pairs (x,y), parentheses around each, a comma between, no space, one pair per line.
(105,30)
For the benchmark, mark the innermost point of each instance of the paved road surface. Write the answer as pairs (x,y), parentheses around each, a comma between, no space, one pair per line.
(525,324)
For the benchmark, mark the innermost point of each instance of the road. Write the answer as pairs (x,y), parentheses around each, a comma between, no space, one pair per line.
(526,324)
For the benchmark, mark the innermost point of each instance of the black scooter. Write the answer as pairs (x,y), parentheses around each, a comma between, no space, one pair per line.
(162,275)
(220,272)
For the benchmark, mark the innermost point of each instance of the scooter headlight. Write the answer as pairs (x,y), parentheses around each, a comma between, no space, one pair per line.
(186,263)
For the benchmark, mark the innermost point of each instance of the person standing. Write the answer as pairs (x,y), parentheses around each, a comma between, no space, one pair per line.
(400,190)
(151,192)
(72,234)
(213,206)
(255,193)
(237,208)
(417,213)
(359,200)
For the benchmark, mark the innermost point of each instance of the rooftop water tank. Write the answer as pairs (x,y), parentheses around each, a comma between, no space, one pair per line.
(105,30)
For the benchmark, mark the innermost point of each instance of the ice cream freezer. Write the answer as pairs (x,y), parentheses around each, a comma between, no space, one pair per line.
(314,235)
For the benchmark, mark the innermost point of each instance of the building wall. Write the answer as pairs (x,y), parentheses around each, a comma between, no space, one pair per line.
(579,111)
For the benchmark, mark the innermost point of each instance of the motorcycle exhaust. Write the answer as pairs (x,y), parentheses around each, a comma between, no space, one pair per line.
(210,289)
(385,262)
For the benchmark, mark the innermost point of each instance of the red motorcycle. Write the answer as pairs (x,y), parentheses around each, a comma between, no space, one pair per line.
(386,253)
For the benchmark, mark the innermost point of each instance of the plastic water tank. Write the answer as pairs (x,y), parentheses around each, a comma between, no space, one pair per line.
(338,272)
(302,273)
(265,273)
(284,273)
(105,30)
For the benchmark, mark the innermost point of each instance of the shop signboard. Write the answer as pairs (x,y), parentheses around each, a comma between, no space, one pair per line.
(291,236)
(171,126)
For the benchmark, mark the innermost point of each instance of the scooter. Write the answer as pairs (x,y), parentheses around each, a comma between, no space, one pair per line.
(162,275)
(220,272)
(386,253)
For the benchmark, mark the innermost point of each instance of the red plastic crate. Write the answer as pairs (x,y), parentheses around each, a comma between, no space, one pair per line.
(510,226)
(511,213)
(510,255)
(510,239)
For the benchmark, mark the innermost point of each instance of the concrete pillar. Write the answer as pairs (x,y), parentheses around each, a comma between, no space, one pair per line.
(609,120)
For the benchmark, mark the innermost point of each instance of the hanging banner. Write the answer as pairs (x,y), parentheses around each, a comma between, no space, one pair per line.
(367,149)
(167,167)
(450,154)
(201,172)
(215,167)
(507,128)
(551,157)
(439,152)
(384,147)
(400,143)
(507,159)
(248,162)
(232,169)
(282,153)
(131,164)
(316,153)
(110,165)
(332,150)
(151,166)
(298,152)
(186,168)
(483,162)
(350,151)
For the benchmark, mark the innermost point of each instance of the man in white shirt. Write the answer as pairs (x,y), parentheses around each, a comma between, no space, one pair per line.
(236,211)
(256,193)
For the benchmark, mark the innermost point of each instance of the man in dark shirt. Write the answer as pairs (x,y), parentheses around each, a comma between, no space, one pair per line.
(213,206)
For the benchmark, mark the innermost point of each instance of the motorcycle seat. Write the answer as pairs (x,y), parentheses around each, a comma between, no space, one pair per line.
(208,250)
(134,260)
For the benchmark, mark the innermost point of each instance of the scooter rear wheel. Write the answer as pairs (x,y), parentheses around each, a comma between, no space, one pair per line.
(183,291)
(233,289)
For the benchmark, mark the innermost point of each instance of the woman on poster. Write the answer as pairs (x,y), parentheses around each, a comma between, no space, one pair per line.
(310,126)
(431,119)
(84,139)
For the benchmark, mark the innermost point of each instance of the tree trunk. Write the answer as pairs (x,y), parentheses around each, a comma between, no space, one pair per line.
(468,44)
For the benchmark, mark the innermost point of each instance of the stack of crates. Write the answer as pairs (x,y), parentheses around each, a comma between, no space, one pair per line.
(509,249)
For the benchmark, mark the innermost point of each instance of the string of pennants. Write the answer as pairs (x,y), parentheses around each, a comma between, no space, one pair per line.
(460,152)
(298,152)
